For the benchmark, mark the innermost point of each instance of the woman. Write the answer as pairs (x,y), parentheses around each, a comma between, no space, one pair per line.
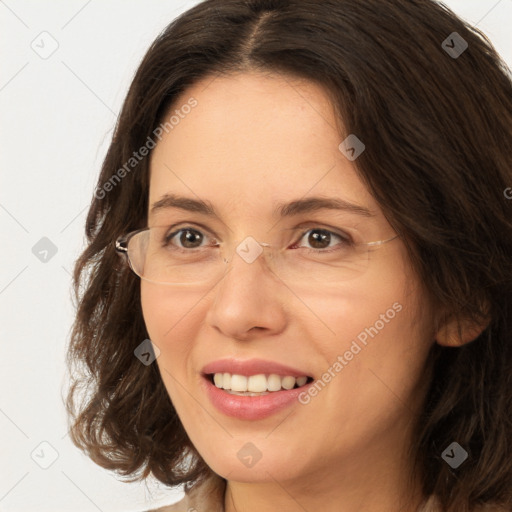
(303,217)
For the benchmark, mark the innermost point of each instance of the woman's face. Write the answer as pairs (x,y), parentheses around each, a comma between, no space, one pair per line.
(252,142)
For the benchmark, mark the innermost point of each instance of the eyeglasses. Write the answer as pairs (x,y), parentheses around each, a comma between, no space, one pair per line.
(171,256)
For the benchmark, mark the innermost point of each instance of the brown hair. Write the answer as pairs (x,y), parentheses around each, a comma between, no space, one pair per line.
(438,160)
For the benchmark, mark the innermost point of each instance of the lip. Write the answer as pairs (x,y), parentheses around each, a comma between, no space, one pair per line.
(251,407)
(252,367)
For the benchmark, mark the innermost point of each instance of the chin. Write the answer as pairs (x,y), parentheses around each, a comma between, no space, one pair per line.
(240,468)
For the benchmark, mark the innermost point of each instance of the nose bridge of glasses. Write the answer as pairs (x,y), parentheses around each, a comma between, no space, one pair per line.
(248,250)
(251,257)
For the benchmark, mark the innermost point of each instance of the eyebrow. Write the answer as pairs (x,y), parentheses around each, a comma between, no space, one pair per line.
(296,207)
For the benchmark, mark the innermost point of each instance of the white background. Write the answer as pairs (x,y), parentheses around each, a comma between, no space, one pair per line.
(57,116)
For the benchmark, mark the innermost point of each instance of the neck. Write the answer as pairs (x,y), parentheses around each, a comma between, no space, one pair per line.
(314,495)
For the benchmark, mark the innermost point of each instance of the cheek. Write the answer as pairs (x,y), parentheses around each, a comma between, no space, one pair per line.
(384,337)
(380,327)
(356,314)
(172,320)
(155,307)
(167,311)
(371,373)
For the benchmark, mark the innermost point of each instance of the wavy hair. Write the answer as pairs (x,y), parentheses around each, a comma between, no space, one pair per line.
(438,133)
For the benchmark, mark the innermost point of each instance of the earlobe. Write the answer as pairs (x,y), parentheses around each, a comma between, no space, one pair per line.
(455,332)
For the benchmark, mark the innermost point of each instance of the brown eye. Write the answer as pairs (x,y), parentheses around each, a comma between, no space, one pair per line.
(187,238)
(190,238)
(319,239)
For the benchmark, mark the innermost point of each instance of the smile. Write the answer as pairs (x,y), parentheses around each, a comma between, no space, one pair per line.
(252,389)
(256,385)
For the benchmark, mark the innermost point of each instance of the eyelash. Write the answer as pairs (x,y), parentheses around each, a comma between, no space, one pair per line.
(345,239)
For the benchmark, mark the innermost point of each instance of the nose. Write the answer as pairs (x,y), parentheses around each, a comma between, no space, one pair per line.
(249,299)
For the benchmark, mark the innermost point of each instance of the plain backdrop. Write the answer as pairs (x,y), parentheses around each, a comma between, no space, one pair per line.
(65,69)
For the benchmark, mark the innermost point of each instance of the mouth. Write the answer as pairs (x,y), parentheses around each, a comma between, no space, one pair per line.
(253,389)
(253,397)
(256,385)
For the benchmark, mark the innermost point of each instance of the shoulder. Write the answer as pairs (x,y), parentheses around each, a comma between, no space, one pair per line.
(207,496)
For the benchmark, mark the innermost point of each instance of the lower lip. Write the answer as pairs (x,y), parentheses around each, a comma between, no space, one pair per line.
(251,407)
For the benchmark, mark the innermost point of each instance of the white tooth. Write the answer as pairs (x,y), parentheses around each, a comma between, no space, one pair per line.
(301,381)
(226,380)
(245,393)
(218,379)
(257,383)
(288,382)
(238,383)
(274,382)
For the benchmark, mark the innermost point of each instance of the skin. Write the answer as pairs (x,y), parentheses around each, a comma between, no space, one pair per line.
(254,140)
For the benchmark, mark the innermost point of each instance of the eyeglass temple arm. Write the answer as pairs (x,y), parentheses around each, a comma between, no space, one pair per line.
(380,242)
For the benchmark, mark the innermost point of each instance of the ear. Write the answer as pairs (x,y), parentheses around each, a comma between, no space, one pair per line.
(455,332)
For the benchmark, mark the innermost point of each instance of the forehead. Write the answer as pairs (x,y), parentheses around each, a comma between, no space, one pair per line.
(253,140)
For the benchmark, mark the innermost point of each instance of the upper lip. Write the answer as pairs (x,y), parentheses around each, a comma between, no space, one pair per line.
(252,367)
